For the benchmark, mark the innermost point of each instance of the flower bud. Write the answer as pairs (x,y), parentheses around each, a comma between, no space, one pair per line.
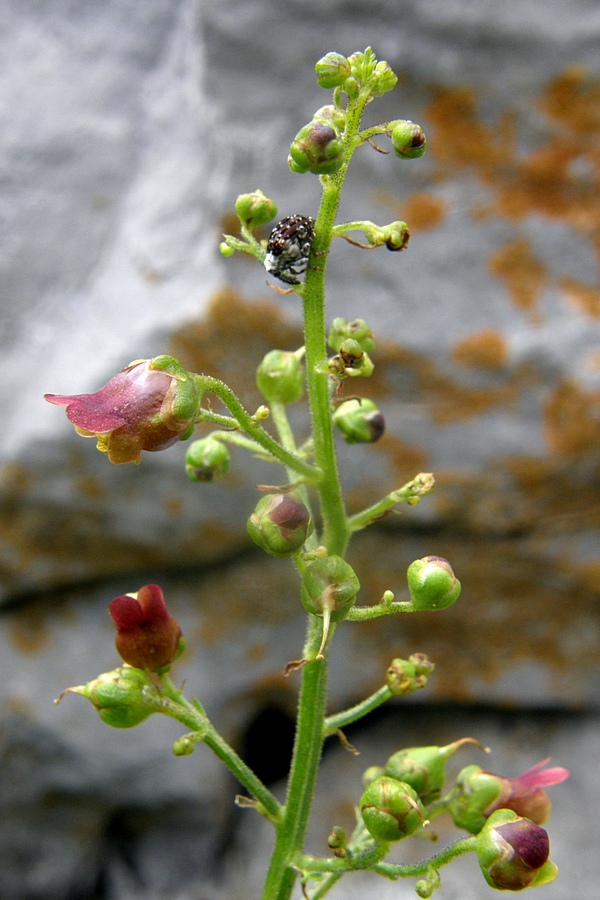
(184,746)
(513,853)
(384,79)
(280,377)
(317,148)
(358,330)
(147,636)
(408,140)
(391,810)
(280,524)
(255,209)
(331,115)
(477,794)
(402,678)
(332,70)
(329,584)
(149,405)
(424,768)
(432,583)
(123,698)
(207,460)
(359,421)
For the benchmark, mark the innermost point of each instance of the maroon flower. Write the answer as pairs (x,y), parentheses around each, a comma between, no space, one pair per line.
(149,405)
(477,794)
(148,637)
(526,796)
(514,852)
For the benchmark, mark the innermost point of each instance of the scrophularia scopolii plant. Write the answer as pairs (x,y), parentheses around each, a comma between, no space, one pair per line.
(151,404)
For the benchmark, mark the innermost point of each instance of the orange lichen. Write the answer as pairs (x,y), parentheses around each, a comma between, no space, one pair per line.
(420,210)
(572,420)
(485,349)
(524,275)
(582,296)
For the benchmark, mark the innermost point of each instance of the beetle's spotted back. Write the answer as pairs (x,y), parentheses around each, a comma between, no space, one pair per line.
(288,248)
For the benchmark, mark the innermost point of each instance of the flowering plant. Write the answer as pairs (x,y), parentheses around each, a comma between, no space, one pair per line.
(153,403)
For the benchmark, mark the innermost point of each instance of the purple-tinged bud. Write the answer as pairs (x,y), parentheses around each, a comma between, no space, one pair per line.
(255,209)
(423,665)
(513,853)
(358,330)
(332,70)
(280,377)
(331,115)
(432,583)
(477,794)
(359,421)
(317,148)
(280,524)
(123,698)
(408,140)
(207,460)
(147,636)
(149,405)
(391,809)
(424,768)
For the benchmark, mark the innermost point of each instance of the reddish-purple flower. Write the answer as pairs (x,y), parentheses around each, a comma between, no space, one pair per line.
(148,637)
(149,405)
(513,853)
(477,794)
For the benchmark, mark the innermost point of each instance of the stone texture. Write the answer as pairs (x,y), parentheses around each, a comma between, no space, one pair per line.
(129,131)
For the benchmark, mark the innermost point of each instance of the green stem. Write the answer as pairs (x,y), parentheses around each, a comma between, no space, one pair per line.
(301,786)
(311,710)
(340,720)
(409,493)
(262,437)
(192,715)
(368,859)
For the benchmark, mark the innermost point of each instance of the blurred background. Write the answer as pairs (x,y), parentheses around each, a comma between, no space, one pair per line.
(127,132)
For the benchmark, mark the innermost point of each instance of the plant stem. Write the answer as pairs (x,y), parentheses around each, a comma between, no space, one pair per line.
(341,719)
(262,437)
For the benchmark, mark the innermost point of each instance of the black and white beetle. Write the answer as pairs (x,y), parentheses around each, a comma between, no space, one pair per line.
(288,248)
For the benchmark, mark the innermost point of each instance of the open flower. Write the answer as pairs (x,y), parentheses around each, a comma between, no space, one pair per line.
(148,637)
(477,794)
(513,853)
(149,405)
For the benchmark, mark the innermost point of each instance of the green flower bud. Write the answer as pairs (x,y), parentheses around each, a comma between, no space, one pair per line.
(280,377)
(358,330)
(207,460)
(384,79)
(402,678)
(408,140)
(513,853)
(371,774)
(354,358)
(332,70)
(329,584)
(424,768)
(225,250)
(317,148)
(184,746)
(255,209)
(432,583)
(280,524)
(391,809)
(359,421)
(123,698)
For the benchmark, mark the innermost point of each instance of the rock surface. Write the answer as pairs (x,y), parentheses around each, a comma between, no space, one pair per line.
(129,131)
